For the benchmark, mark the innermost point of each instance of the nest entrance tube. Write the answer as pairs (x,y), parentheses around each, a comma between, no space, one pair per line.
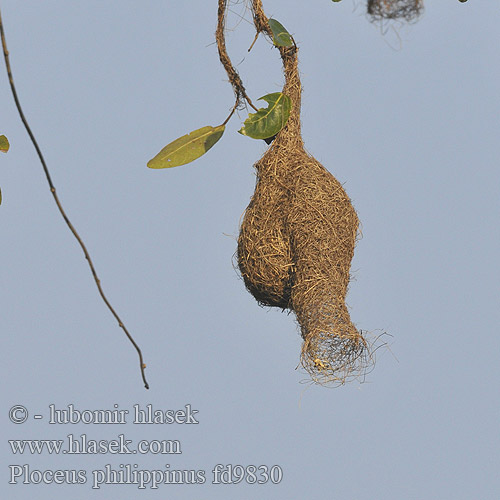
(297,241)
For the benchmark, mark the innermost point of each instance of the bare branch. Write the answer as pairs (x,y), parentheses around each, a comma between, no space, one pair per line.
(59,206)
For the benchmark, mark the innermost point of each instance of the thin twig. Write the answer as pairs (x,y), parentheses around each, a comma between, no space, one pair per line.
(59,206)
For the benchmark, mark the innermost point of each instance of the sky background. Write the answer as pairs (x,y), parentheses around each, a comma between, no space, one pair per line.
(406,117)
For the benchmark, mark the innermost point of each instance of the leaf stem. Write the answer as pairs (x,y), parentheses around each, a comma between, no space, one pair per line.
(59,206)
(254,40)
(230,114)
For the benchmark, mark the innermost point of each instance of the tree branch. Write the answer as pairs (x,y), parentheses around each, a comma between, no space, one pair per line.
(59,206)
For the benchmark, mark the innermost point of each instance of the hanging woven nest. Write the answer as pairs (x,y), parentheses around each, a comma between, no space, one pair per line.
(297,240)
(408,10)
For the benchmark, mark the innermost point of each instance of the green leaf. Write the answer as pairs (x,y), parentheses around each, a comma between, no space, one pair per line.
(4,144)
(0,196)
(187,148)
(281,37)
(268,121)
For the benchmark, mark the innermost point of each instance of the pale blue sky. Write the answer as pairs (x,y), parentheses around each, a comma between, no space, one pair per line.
(407,120)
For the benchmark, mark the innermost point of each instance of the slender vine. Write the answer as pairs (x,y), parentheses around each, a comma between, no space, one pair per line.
(59,205)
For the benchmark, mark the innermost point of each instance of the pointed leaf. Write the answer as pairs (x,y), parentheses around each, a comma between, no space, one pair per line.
(4,144)
(0,196)
(268,121)
(187,148)
(281,37)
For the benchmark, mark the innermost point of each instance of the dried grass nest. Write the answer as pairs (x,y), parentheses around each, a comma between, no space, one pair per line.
(295,247)
(298,233)
(380,10)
